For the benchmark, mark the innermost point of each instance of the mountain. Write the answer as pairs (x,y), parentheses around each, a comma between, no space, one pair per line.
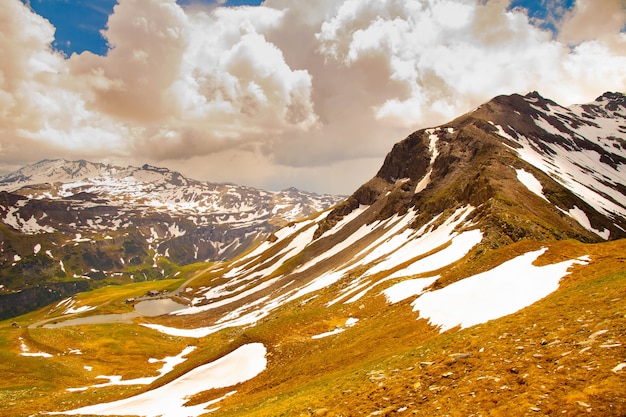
(480,272)
(75,220)
(495,157)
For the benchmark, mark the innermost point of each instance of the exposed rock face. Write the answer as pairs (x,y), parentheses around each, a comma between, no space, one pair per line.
(574,153)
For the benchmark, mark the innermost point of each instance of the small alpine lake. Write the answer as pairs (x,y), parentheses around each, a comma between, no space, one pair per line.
(145,308)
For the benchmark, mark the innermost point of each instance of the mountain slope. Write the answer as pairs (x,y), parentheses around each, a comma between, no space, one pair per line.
(480,272)
(160,190)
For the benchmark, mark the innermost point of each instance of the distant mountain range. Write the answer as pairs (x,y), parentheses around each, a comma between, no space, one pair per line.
(62,220)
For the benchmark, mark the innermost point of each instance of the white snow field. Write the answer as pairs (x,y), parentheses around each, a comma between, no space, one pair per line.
(169,400)
(498,292)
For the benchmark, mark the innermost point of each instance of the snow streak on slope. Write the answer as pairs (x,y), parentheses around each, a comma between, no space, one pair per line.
(530,182)
(242,364)
(427,249)
(498,292)
(246,282)
(581,217)
(533,185)
(352,239)
(412,243)
(432,147)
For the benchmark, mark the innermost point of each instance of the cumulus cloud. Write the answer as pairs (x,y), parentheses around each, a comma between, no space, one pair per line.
(196,82)
(586,22)
(42,108)
(448,53)
(294,92)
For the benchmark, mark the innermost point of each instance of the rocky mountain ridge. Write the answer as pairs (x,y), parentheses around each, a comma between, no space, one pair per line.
(572,156)
(159,189)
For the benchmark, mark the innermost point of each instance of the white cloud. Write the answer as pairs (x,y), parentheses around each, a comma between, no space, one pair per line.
(586,21)
(198,81)
(293,90)
(42,107)
(449,54)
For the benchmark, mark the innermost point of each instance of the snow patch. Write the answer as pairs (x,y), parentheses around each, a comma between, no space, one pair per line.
(406,289)
(76,310)
(498,292)
(242,364)
(176,231)
(346,219)
(29,227)
(26,351)
(530,182)
(581,217)
(349,323)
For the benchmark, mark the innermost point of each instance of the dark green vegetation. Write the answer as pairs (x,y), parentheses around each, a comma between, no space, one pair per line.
(60,269)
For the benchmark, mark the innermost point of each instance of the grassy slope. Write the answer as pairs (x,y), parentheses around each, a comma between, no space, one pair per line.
(539,361)
(530,362)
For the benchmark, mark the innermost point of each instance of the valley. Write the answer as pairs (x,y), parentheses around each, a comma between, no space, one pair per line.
(69,226)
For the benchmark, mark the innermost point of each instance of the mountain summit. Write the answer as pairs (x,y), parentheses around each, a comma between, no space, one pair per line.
(532,168)
(480,272)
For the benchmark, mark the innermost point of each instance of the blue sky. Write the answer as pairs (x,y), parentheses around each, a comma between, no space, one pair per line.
(79,22)
(545,12)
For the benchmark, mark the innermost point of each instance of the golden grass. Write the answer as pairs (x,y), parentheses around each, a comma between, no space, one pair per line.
(547,359)
(529,363)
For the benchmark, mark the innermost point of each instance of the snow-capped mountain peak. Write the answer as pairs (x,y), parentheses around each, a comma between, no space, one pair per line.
(51,171)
